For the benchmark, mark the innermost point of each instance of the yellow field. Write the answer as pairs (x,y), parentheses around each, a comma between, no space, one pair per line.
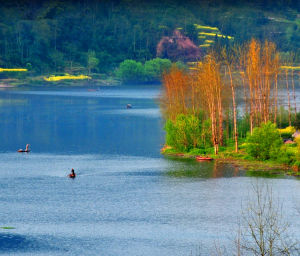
(205,27)
(13,70)
(204,45)
(290,67)
(66,77)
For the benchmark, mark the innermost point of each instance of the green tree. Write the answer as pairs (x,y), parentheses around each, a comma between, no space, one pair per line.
(92,61)
(265,142)
(184,133)
(181,65)
(131,71)
(155,68)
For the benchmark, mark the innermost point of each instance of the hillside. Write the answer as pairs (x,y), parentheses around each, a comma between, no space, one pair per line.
(77,36)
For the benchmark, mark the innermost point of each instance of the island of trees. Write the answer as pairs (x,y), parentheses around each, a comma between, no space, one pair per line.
(238,102)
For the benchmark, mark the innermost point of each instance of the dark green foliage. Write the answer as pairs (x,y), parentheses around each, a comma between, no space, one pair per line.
(58,35)
(92,61)
(286,136)
(296,123)
(154,68)
(131,70)
(181,65)
(151,71)
(265,142)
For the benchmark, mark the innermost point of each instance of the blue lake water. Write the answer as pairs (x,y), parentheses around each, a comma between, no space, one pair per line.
(124,200)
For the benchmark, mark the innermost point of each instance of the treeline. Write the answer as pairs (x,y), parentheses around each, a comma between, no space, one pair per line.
(96,36)
(131,71)
(201,110)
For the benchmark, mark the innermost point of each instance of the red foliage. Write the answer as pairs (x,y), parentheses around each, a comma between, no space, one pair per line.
(177,47)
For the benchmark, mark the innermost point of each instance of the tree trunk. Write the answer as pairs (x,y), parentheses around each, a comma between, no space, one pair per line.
(234,110)
(294,94)
(288,92)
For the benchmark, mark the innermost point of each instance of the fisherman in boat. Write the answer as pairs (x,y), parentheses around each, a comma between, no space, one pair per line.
(72,175)
(24,150)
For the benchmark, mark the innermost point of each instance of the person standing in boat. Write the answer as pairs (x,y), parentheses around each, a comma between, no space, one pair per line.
(27,150)
(72,175)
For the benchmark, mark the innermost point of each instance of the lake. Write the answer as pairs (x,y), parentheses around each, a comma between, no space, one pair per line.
(125,199)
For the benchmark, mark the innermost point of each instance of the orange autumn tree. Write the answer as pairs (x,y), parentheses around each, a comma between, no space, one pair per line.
(200,91)
(229,60)
(261,68)
(175,94)
(209,85)
(207,95)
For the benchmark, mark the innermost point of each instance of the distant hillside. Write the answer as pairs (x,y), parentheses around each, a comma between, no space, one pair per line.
(76,36)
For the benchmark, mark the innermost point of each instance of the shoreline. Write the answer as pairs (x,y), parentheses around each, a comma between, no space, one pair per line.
(39,81)
(248,165)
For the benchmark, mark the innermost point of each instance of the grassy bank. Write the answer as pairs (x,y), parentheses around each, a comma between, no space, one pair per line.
(241,159)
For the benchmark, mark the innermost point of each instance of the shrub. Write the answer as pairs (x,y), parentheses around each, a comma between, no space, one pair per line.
(181,65)
(131,71)
(298,149)
(184,133)
(155,68)
(284,156)
(198,151)
(264,143)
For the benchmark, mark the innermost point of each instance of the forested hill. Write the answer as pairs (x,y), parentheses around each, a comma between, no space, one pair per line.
(49,36)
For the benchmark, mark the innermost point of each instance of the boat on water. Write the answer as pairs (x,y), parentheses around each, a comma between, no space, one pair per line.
(204,158)
(72,175)
(26,150)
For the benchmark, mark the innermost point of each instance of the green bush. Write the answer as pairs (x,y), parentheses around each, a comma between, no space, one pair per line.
(189,132)
(180,65)
(155,68)
(131,71)
(198,151)
(285,156)
(184,133)
(264,143)
(151,71)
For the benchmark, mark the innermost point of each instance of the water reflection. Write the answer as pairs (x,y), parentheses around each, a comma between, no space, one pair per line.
(189,168)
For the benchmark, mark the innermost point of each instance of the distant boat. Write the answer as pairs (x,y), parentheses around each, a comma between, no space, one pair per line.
(203,158)
(128,106)
(24,150)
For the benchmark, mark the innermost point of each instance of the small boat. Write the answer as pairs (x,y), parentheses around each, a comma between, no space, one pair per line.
(26,150)
(128,106)
(203,158)
(72,175)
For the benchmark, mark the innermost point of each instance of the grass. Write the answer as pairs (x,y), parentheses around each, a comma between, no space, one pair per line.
(240,159)
(7,227)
